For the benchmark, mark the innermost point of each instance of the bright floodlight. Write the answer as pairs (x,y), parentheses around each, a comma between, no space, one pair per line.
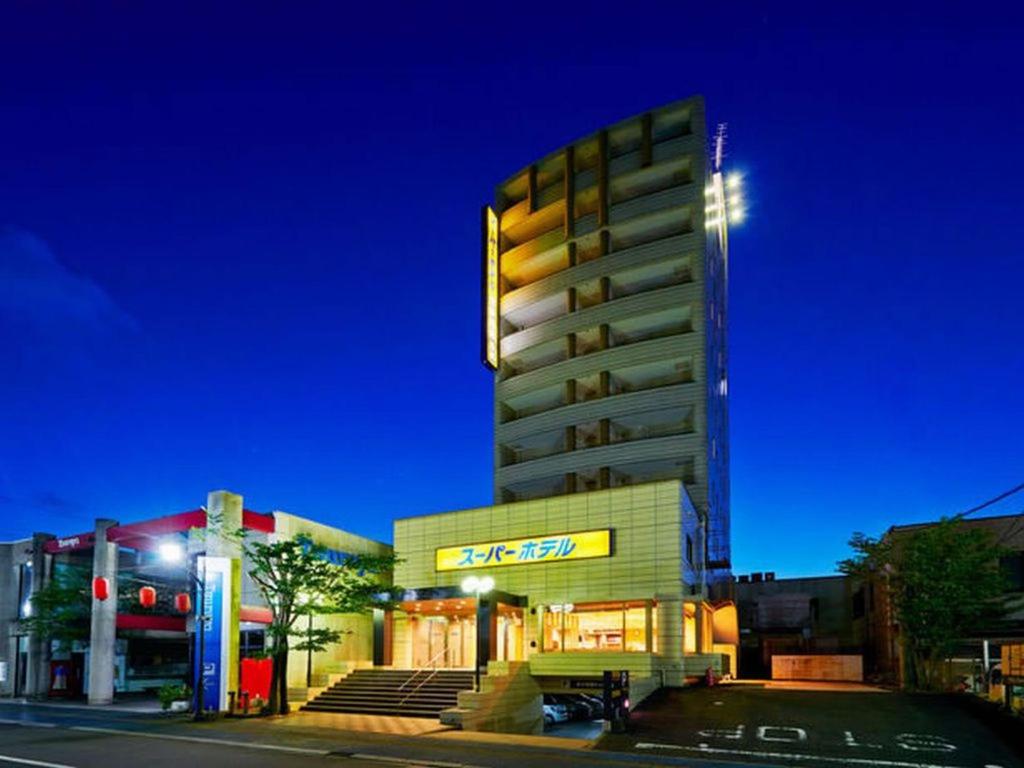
(470,584)
(733,181)
(26,609)
(486,585)
(171,552)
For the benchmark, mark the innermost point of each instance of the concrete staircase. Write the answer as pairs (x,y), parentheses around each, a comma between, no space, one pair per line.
(401,692)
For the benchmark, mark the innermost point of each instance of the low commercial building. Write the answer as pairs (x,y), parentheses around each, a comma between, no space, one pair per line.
(980,653)
(17,570)
(814,618)
(125,647)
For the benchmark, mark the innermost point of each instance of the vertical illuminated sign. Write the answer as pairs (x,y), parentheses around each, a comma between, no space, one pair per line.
(214,599)
(492,287)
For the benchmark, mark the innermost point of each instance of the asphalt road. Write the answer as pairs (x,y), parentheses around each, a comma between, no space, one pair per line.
(59,737)
(814,728)
(58,747)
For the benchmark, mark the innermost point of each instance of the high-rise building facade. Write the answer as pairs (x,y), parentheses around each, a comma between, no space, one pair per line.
(605,317)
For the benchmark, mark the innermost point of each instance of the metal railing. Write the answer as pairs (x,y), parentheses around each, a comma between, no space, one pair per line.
(431,668)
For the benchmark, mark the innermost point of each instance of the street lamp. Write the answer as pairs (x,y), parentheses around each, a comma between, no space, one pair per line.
(172,552)
(478,586)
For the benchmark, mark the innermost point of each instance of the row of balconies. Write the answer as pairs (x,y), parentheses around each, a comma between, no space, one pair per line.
(543,299)
(613,322)
(683,121)
(662,357)
(675,210)
(674,165)
(676,421)
(541,481)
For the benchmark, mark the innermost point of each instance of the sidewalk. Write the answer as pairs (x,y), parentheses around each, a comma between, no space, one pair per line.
(138,706)
(325,724)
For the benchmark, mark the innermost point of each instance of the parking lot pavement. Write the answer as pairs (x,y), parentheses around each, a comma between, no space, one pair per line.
(813,728)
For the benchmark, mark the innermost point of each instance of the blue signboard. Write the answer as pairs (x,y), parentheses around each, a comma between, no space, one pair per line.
(212,602)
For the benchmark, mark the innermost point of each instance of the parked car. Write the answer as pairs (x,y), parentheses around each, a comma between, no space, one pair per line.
(575,706)
(554,712)
(596,704)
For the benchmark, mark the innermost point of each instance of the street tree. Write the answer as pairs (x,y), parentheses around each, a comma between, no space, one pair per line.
(297,579)
(59,611)
(942,582)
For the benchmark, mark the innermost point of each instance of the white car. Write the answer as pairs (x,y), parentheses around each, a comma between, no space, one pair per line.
(555,713)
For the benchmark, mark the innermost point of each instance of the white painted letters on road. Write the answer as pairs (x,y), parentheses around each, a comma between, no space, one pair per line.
(723,733)
(785,733)
(921,742)
(852,742)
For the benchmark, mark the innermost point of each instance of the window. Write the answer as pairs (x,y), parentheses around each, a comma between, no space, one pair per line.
(858,603)
(1012,566)
(689,549)
(598,627)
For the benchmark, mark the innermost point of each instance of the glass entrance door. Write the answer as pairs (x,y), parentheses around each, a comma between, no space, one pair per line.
(509,641)
(443,634)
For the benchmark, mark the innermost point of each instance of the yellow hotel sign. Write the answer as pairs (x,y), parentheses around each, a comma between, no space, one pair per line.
(552,548)
(492,289)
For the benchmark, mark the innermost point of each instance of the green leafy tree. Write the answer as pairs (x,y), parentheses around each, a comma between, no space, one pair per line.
(296,579)
(942,583)
(61,609)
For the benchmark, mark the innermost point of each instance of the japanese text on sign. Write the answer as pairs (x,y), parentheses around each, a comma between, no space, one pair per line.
(539,549)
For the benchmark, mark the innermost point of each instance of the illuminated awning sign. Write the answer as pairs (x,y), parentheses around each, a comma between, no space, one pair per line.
(492,287)
(552,548)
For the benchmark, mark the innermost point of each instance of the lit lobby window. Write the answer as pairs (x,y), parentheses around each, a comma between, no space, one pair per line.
(598,627)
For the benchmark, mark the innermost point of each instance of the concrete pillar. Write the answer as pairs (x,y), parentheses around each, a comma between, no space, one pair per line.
(699,623)
(37,667)
(670,638)
(670,627)
(648,626)
(103,631)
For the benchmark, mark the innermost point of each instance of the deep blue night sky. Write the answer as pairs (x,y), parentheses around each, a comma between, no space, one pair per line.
(239,248)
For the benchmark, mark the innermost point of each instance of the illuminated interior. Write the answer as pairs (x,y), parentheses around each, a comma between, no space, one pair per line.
(600,627)
(443,633)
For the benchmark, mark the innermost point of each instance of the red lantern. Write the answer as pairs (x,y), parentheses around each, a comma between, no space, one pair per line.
(147,597)
(182,602)
(100,588)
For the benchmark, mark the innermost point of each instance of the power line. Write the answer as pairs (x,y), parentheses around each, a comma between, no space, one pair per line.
(991,501)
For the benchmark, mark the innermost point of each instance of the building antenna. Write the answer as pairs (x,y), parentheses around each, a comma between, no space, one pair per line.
(719,145)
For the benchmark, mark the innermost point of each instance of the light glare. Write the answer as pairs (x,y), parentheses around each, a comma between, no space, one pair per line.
(171,552)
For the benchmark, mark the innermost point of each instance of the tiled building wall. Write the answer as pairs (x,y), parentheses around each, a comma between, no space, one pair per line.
(646,561)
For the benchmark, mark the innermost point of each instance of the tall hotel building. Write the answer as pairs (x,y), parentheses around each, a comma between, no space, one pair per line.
(605,317)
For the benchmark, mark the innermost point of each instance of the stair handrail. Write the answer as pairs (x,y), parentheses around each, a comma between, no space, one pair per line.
(424,681)
(431,662)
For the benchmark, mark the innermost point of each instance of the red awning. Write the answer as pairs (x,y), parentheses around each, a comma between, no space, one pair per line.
(147,534)
(142,621)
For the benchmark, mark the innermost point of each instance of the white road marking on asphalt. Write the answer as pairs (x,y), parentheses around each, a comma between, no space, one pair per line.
(272,747)
(26,723)
(26,761)
(407,761)
(795,756)
(204,740)
(922,742)
(852,742)
(721,733)
(762,733)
